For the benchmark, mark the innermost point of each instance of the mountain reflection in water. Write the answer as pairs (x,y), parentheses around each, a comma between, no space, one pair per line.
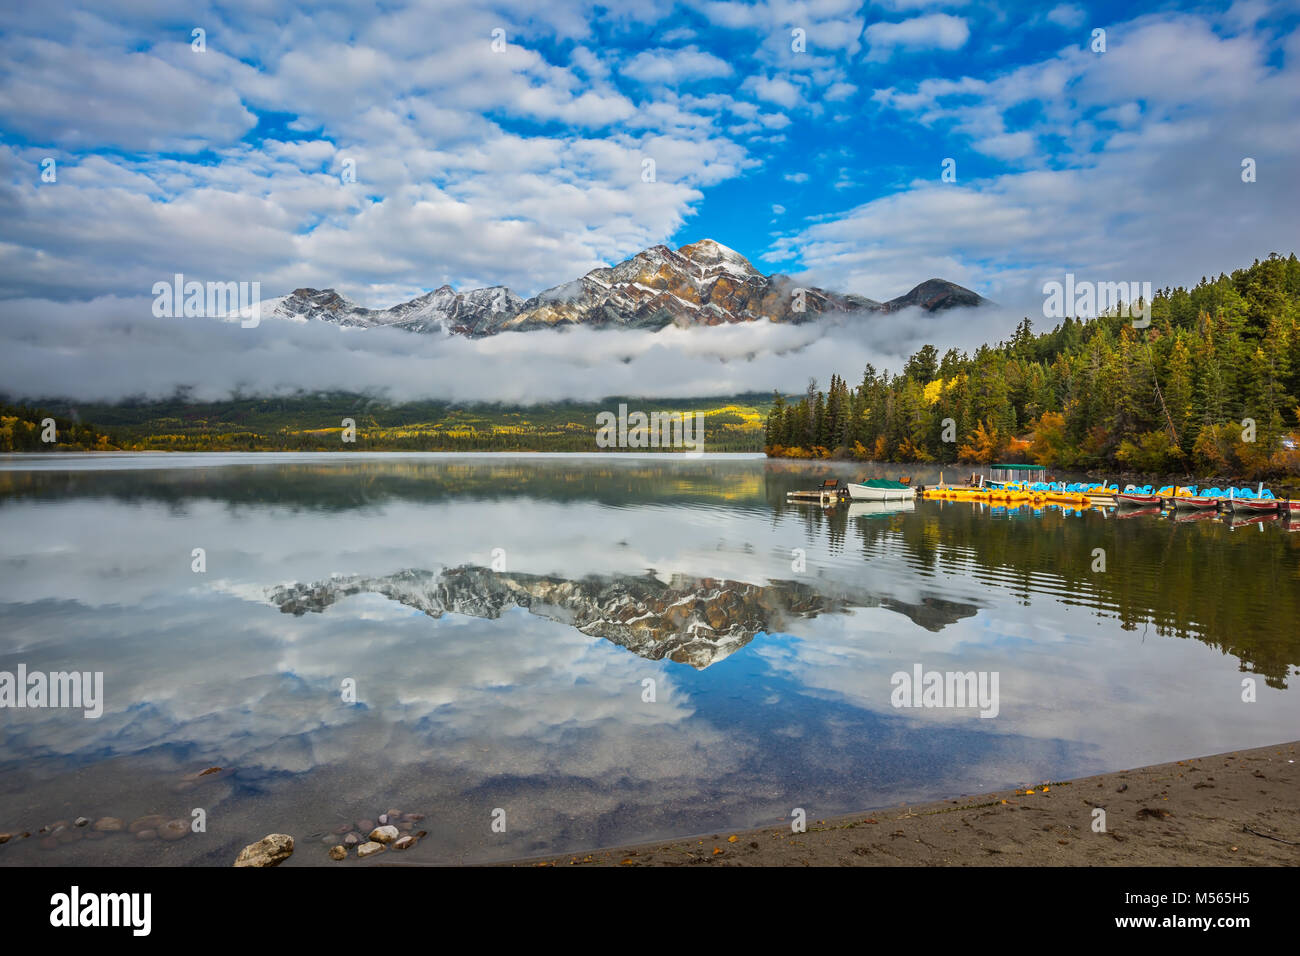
(695,621)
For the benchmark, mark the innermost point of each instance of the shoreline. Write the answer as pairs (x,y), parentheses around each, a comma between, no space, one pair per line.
(1113,476)
(1239,808)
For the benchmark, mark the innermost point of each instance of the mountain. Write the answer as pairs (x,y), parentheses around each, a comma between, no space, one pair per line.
(688,620)
(703,283)
(934,295)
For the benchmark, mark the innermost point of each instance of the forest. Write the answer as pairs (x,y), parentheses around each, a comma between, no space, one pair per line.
(318,422)
(35,429)
(1209,386)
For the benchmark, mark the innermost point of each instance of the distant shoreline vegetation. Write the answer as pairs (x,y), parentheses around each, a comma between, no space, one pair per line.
(1210,386)
(320,423)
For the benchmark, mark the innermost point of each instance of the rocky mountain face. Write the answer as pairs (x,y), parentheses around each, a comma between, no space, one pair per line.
(688,620)
(934,295)
(703,283)
(442,310)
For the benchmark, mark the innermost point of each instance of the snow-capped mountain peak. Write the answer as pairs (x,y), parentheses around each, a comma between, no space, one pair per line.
(701,283)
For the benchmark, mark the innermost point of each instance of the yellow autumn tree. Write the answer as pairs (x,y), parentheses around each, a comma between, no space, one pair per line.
(1049,445)
(984,446)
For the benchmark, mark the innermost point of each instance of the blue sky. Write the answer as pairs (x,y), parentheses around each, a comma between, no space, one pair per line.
(524,167)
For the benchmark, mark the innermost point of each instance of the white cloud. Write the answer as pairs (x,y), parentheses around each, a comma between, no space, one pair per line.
(1066,15)
(934,31)
(1147,192)
(773,90)
(671,67)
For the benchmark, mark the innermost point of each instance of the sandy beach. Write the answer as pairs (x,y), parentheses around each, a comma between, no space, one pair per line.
(1240,808)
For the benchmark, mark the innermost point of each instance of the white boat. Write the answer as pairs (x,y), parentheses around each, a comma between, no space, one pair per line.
(879,489)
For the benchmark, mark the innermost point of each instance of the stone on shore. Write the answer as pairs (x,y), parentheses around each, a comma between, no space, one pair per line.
(109,825)
(405,843)
(174,829)
(338,853)
(367,849)
(384,834)
(271,850)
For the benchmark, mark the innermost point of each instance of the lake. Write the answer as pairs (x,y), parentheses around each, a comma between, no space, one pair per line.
(556,653)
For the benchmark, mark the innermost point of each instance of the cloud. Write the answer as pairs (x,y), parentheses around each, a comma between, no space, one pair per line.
(111,349)
(1121,171)
(472,167)
(934,31)
(1066,15)
(774,90)
(675,66)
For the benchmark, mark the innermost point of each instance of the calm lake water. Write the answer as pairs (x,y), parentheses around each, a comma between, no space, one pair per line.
(500,617)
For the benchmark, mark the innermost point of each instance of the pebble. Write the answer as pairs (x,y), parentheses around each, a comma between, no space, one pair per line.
(338,853)
(384,834)
(352,839)
(383,819)
(365,826)
(81,822)
(391,814)
(271,850)
(174,829)
(151,822)
(367,849)
(145,834)
(404,843)
(5,838)
(109,825)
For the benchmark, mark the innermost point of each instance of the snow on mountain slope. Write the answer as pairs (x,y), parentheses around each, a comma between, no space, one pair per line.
(702,283)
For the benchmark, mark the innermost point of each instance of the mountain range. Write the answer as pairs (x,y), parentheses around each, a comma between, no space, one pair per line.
(690,620)
(703,283)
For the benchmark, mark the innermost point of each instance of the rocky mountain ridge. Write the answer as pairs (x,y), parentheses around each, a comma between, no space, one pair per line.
(703,283)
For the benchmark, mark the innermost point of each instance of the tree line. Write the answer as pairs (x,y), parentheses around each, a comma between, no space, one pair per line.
(34,429)
(1210,385)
